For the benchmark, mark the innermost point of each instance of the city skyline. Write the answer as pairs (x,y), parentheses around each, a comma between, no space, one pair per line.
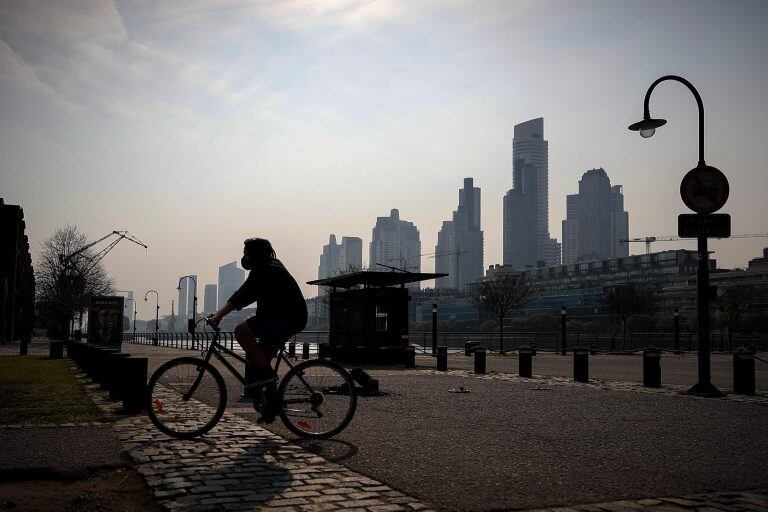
(295,122)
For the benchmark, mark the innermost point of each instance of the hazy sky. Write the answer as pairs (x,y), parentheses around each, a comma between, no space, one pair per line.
(197,124)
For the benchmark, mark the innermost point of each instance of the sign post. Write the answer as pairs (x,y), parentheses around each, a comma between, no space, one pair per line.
(704,190)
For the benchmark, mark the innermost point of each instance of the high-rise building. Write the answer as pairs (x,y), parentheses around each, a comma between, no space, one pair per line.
(396,243)
(187,292)
(459,249)
(619,223)
(181,313)
(530,168)
(231,277)
(128,306)
(595,220)
(209,298)
(340,257)
(520,233)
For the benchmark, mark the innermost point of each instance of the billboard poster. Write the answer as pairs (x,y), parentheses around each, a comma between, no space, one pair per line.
(105,320)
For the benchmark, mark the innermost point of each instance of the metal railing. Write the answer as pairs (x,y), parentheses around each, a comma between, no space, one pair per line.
(546,341)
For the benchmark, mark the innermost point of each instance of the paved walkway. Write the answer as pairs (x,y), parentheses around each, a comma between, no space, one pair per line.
(241,466)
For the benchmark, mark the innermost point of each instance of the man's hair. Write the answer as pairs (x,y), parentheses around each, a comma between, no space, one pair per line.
(259,249)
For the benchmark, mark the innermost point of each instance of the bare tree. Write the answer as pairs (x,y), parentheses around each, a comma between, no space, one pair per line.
(65,283)
(735,301)
(626,300)
(501,294)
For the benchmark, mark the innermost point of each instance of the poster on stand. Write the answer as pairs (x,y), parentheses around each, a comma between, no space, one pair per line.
(105,321)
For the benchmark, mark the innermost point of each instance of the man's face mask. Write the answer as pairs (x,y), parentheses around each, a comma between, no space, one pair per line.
(245,262)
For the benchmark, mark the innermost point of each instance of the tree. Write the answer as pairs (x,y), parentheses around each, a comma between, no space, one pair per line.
(65,283)
(626,300)
(735,301)
(501,294)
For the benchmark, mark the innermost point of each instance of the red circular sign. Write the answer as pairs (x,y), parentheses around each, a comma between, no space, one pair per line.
(704,189)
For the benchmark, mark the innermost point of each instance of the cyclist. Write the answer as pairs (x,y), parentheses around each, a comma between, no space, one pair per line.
(281,312)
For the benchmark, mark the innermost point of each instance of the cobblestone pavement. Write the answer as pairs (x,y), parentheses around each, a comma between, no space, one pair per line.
(241,466)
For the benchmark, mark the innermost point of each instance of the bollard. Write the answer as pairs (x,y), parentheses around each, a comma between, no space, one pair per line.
(134,384)
(56,350)
(24,346)
(111,363)
(410,356)
(744,372)
(305,350)
(470,347)
(99,369)
(442,358)
(592,349)
(292,349)
(322,351)
(581,365)
(480,360)
(526,362)
(652,368)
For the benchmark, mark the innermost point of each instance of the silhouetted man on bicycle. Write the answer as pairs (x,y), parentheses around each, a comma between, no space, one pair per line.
(281,312)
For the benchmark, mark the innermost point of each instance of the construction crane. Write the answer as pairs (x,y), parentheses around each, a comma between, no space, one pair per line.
(650,239)
(77,264)
(68,260)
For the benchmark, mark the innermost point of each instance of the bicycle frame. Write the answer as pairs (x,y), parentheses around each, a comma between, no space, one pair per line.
(216,349)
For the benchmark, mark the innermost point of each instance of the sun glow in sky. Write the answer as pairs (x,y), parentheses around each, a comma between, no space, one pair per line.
(197,124)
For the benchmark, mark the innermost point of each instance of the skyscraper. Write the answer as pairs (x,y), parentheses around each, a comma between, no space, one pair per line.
(181,313)
(520,233)
(340,257)
(530,169)
(396,243)
(210,297)
(459,249)
(596,220)
(230,279)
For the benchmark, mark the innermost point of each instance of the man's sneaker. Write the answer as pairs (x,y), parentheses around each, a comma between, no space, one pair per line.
(268,414)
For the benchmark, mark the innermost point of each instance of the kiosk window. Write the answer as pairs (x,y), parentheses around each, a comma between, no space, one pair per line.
(381,317)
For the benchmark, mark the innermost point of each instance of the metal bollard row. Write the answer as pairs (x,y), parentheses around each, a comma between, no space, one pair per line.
(125,377)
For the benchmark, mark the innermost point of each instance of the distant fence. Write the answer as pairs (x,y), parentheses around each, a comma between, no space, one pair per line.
(455,341)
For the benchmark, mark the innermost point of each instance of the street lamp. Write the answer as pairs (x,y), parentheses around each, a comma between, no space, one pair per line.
(194,303)
(647,127)
(157,312)
(134,316)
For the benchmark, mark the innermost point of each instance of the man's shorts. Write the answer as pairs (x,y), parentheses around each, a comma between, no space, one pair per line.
(273,333)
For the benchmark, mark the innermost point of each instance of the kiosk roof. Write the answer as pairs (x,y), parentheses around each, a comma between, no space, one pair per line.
(373,278)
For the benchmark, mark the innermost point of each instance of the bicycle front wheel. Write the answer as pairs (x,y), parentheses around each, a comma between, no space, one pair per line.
(317,398)
(186,397)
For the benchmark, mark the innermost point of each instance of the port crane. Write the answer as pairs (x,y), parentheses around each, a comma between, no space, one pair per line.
(650,239)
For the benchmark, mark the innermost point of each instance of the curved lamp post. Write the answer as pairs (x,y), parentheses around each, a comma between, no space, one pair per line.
(194,303)
(134,317)
(157,312)
(647,127)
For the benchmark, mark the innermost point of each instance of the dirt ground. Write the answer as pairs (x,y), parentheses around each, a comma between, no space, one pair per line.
(106,490)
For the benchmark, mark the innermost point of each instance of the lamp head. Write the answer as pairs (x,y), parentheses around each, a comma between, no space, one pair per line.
(647,127)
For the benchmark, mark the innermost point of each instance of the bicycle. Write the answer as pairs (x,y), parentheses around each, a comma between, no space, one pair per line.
(186,396)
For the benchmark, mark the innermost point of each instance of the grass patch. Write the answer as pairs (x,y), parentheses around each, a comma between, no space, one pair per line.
(36,391)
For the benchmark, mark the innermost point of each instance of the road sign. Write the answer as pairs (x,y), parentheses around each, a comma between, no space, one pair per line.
(710,226)
(704,189)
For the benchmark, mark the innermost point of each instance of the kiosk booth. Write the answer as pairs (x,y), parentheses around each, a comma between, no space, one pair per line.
(369,314)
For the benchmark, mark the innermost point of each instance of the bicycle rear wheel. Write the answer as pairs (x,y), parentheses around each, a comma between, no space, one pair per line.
(186,397)
(317,399)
